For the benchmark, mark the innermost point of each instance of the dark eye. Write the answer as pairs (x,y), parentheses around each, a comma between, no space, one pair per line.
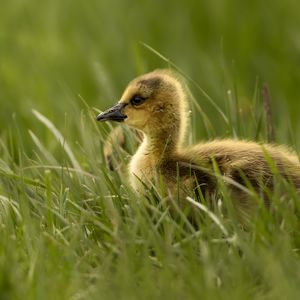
(137,100)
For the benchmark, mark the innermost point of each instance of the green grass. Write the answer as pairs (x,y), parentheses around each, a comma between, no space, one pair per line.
(71,229)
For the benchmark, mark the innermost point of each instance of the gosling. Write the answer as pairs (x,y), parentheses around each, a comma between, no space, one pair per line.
(156,104)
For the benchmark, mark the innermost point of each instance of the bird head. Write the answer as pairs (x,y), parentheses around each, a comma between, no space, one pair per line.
(153,101)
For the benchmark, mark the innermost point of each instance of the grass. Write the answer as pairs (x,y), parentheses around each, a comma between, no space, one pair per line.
(71,229)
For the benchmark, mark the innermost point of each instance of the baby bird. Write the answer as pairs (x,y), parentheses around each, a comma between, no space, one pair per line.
(156,104)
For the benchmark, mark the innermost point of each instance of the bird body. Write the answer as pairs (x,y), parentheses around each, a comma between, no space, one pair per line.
(156,104)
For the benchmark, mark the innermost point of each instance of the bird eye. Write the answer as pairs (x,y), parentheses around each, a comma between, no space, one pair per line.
(137,100)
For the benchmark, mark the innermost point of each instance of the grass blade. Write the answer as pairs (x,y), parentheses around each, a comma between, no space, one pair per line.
(59,138)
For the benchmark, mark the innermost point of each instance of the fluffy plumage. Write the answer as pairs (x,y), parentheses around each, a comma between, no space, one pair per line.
(156,104)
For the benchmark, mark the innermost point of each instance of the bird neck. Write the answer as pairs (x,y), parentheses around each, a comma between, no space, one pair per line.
(163,142)
(164,135)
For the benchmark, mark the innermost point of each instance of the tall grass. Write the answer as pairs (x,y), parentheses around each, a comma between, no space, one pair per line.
(72,229)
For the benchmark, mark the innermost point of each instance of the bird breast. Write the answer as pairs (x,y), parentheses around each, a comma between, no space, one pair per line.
(141,168)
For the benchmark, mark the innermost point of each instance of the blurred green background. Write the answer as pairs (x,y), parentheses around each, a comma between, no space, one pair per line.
(53,51)
(78,231)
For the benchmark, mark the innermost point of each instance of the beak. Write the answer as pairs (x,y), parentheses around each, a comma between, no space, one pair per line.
(113,114)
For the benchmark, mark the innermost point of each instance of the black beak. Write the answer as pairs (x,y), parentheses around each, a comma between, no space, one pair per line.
(113,114)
